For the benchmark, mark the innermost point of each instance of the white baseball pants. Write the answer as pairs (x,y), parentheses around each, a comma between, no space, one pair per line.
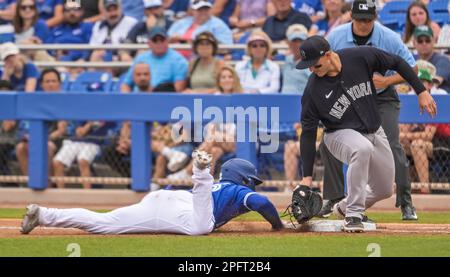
(371,170)
(163,211)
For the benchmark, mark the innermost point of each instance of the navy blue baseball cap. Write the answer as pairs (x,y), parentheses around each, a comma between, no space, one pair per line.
(157,31)
(311,50)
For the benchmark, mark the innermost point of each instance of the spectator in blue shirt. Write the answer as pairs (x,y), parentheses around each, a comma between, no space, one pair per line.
(51,11)
(285,16)
(72,31)
(29,29)
(168,67)
(186,29)
(7,10)
(17,70)
(154,17)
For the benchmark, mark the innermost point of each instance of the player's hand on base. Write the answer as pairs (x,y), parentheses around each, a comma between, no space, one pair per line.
(427,102)
(202,159)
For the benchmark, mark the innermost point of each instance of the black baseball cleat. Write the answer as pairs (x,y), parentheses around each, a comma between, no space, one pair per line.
(327,208)
(353,225)
(409,213)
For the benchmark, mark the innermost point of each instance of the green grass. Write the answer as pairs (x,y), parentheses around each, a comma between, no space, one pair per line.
(381,217)
(294,245)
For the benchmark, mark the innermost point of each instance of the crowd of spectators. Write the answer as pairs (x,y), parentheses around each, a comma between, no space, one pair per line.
(203,68)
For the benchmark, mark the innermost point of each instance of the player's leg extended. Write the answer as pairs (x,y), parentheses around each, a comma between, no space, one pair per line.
(203,218)
(354,149)
(128,219)
(381,171)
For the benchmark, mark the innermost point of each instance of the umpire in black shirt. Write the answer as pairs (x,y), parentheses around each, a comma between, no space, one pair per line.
(340,93)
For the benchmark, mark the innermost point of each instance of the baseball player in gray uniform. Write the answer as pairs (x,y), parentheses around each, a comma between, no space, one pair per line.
(341,94)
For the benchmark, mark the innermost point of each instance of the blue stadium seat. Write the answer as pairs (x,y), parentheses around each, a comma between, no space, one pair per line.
(92,81)
(438,6)
(440,18)
(393,14)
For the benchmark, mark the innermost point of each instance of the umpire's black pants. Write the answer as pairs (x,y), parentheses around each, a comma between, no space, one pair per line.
(333,183)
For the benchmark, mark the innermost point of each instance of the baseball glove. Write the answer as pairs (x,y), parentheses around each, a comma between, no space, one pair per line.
(305,204)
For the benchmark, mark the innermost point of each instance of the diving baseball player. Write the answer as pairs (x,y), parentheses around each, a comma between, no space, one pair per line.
(197,212)
(341,95)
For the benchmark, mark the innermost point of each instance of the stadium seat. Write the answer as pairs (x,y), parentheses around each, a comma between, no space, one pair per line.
(440,18)
(95,81)
(438,6)
(393,14)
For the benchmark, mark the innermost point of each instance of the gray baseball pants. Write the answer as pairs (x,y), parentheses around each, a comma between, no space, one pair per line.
(370,175)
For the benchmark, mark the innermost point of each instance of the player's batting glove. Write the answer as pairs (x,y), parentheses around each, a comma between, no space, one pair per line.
(201,159)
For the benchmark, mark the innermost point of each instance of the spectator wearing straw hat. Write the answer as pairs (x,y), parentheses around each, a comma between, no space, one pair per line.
(259,74)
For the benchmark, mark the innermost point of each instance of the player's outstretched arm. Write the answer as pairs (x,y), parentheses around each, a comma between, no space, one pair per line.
(264,207)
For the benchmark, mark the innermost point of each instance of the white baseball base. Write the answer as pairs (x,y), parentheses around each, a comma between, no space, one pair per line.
(330,226)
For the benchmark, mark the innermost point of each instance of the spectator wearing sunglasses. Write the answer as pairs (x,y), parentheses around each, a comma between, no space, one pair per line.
(169,69)
(154,17)
(29,29)
(259,74)
(424,44)
(72,31)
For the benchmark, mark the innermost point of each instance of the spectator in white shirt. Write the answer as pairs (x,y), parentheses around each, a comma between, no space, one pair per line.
(259,74)
(112,30)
